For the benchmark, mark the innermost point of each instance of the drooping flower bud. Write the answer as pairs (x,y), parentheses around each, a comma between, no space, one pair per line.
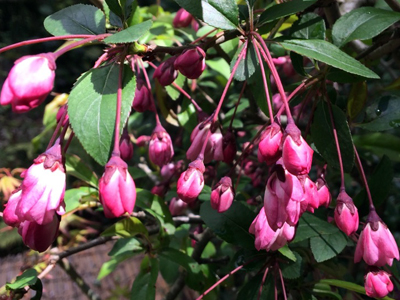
(229,147)
(160,189)
(222,195)
(182,19)
(376,244)
(61,113)
(161,150)
(117,190)
(142,140)
(29,82)
(126,146)
(9,215)
(378,284)
(166,73)
(43,188)
(191,182)
(39,237)
(215,152)
(268,148)
(311,200)
(346,214)
(296,153)
(142,100)
(282,199)
(177,206)
(198,138)
(324,195)
(191,62)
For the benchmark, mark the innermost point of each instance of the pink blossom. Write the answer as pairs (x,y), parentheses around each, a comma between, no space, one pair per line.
(177,206)
(378,284)
(222,195)
(43,188)
(166,73)
(198,137)
(182,18)
(324,195)
(117,190)
(191,182)
(126,146)
(9,215)
(376,244)
(311,196)
(270,141)
(216,150)
(29,82)
(191,62)
(346,214)
(142,100)
(161,150)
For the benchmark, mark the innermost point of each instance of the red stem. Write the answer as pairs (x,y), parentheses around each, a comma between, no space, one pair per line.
(237,104)
(76,44)
(364,178)
(116,151)
(59,124)
(283,283)
(204,36)
(262,283)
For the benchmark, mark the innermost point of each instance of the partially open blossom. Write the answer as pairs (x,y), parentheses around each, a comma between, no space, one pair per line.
(296,153)
(126,146)
(43,188)
(142,100)
(376,244)
(378,284)
(222,195)
(9,215)
(229,147)
(346,214)
(191,182)
(191,62)
(282,198)
(117,190)
(311,196)
(198,138)
(182,18)
(268,148)
(324,194)
(29,82)
(166,73)
(161,150)
(177,206)
(39,237)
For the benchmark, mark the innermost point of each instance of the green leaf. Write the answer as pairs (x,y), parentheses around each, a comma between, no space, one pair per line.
(232,225)
(73,197)
(362,24)
(76,19)
(125,228)
(341,76)
(223,14)
(161,211)
(292,270)
(144,198)
(309,27)
(144,286)
(357,99)
(383,114)
(247,66)
(348,286)
(205,193)
(219,65)
(380,144)
(109,266)
(298,63)
(29,277)
(187,118)
(311,226)
(76,167)
(130,34)
(322,134)
(327,53)
(172,91)
(92,108)
(125,245)
(328,245)
(284,9)
(250,290)
(181,259)
(122,8)
(258,91)
(285,251)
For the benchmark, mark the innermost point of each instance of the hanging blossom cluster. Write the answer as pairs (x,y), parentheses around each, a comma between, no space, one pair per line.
(36,207)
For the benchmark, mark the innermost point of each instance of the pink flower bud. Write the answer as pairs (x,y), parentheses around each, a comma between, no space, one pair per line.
(160,189)
(198,138)
(43,188)
(161,150)
(166,73)
(376,244)
(346,214)
(282,199)
(182,19)
(60,114)
(268,148)
(191,62)
(142,100)
(191,182)
(117,190)
(177,206)
(222,195)
(29,82)
(378,284)
(216,150)
(229,147)
(311,200)
(39,237)
(9,215)
(142,140)
(126,146)
(296,153)
(324,195)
